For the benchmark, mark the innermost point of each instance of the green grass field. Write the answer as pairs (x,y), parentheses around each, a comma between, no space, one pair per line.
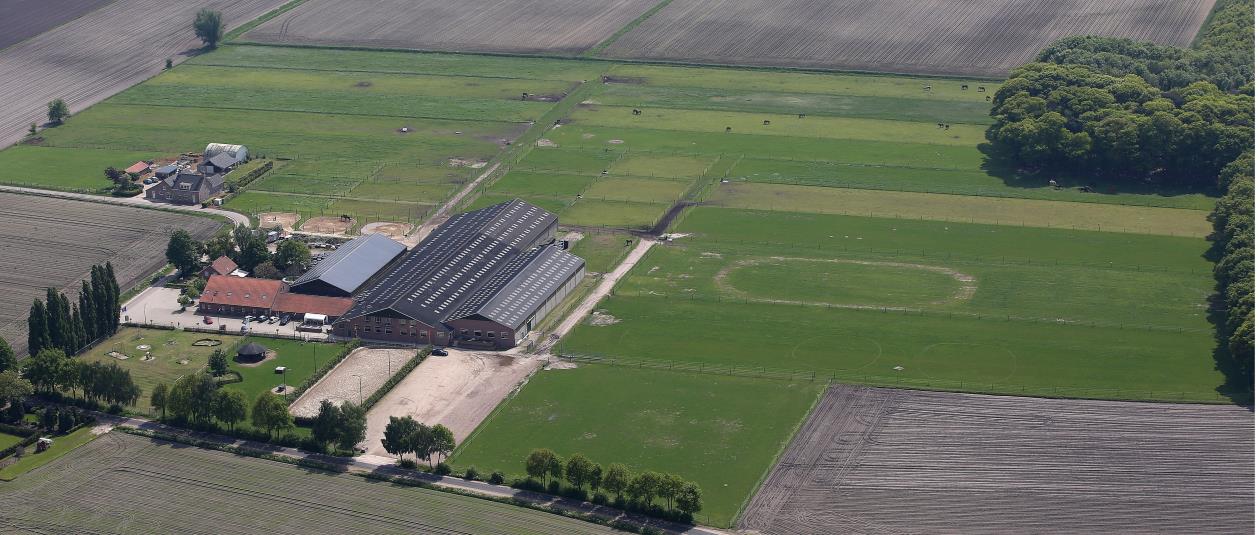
(302,359)
(965,208)
(602,251)
(7,440)
(721,432)
(79,170)
(948,302)
(169,348)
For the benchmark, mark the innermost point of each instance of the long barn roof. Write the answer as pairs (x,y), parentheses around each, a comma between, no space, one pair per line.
(437,277)
(353,263)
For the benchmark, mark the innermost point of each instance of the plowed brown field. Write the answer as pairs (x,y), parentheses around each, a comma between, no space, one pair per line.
(23,19)
(539,26)
(54,242)
(874,460)
(978,38)
(94,56)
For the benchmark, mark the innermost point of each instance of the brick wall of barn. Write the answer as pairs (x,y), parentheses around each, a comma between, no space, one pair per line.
(391,328)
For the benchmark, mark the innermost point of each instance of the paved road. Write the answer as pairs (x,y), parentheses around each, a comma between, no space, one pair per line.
(385,466)
(604,288)
(238,219)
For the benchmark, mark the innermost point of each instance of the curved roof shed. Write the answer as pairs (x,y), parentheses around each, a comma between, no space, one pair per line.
(237,152)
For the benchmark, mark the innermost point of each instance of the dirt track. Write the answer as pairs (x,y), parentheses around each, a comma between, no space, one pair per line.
(457,391)
(99,54)
(872,460)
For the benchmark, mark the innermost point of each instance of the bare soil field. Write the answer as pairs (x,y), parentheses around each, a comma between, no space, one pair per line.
(327,225)
(529,26)
(22,19)
(980,38)
(54,242)
(342,383)
(101,53)
(286,220)
(393,231)
(896,461)
(127,484)
(457,391)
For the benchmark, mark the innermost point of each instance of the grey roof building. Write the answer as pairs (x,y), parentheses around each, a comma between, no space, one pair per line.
(186,188)
(343,271)
(481,278)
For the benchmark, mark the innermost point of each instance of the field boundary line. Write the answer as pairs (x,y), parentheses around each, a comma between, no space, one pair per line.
(778,455)
(634,61)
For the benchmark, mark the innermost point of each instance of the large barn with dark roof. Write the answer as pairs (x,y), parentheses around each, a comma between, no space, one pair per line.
(484,279)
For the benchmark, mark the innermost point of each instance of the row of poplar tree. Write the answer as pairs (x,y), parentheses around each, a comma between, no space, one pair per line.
(56,323)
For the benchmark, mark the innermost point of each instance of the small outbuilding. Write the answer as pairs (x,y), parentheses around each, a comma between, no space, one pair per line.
(166,171)
(251,352)
(138,168)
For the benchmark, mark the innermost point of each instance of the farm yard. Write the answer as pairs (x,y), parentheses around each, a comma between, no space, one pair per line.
(948,38)
(173,489)
(921,461)
(532,26)
(88,59)
(722,432)
(55,242)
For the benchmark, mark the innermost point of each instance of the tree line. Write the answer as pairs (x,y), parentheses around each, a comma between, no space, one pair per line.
(1234,250)
(52,371)
(1133,111)
(56,323)
(681,498)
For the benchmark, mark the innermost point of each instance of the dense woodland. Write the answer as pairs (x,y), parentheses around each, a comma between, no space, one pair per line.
(1128,111)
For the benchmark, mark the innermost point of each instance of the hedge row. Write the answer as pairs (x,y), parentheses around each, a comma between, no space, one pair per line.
(398,376)
(323,370)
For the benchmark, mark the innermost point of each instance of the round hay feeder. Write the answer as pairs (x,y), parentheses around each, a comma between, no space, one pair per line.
(251,353)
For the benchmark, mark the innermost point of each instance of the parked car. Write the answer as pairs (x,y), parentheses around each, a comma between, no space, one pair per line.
(273,319)
(285,319)
(248,319)
(207,320)
(439,352)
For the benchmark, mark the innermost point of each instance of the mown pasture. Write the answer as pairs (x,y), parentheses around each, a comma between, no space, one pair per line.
(721,432)
(167,487)
(964,208)
(835,130)
(349,134)
(953,305)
